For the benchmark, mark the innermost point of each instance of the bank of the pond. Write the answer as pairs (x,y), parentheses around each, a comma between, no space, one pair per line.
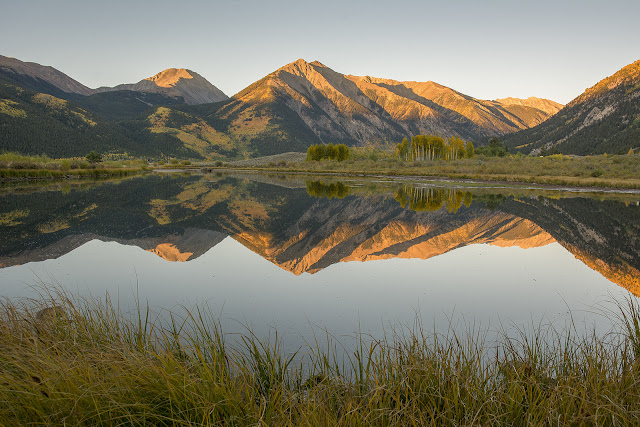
(53,174)
(84,362)
(612,172)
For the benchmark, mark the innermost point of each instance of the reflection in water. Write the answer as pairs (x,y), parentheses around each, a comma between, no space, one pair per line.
(329,191)
(180,218)
(267,251)
(432,199)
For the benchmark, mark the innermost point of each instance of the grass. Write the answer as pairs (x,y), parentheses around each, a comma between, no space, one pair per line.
(619,171)
(87,363)
(18,167)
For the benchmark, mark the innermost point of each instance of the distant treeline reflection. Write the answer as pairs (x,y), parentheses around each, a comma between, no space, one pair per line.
(432,199)
(329,191)
(415,198)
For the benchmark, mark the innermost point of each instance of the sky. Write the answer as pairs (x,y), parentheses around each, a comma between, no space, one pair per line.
(486,49)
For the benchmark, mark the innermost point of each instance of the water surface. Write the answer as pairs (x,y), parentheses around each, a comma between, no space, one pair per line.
(297,253)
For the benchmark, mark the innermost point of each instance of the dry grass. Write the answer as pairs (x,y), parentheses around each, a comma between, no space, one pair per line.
(19,167)
(591,171)
(87,363)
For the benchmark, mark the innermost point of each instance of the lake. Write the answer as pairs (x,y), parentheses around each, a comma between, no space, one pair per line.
(302,254)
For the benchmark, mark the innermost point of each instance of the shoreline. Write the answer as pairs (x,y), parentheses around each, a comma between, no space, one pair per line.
(26,175)
(445,178)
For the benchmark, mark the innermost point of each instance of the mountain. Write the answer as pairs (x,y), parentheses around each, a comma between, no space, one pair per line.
(604,119)
(307,103)
(175,83)
(40,78)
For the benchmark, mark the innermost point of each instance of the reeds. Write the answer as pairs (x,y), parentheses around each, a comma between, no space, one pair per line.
(88,363)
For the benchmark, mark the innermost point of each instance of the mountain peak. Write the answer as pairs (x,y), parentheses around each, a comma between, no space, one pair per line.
(171,76)
(302,64)
(176,83)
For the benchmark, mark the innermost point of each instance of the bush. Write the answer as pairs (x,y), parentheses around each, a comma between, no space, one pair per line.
(94,157)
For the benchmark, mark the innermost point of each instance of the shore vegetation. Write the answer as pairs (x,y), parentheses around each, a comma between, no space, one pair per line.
(15,166)
(71,361)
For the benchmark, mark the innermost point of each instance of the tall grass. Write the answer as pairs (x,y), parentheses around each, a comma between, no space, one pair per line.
(27,174)
(88,363)
(15,166)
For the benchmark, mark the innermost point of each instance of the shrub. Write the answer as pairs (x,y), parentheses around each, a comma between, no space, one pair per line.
(94,157)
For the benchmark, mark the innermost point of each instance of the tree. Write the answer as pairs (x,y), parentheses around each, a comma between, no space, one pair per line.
(94,157)
(402,149)
(343,152)
(318,152)
(469,150)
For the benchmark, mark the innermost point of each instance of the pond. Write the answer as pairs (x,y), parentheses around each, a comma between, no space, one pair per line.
(303,254)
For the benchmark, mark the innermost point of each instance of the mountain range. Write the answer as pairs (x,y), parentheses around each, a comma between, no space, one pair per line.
(179,113)
(300,104)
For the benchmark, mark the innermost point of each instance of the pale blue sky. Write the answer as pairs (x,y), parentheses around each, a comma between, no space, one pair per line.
(486,49)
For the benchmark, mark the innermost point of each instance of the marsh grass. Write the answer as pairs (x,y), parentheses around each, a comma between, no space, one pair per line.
(619,171)
(20,167)
(88,363)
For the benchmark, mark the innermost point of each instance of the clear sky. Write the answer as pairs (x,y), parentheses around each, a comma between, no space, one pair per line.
(486,49)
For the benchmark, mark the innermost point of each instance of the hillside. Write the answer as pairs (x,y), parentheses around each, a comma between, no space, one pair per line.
(39,123)
(604,119)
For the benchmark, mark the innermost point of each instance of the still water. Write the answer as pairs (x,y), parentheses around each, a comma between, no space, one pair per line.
(301,254)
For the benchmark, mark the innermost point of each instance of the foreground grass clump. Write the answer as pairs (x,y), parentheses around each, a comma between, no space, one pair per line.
(86,363)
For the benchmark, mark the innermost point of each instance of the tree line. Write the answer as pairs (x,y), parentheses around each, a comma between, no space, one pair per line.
(432,147)
(337,152)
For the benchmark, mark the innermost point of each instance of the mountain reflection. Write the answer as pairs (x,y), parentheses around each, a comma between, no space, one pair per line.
(304,226)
